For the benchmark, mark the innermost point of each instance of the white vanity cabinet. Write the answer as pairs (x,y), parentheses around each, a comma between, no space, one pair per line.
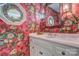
(41,47)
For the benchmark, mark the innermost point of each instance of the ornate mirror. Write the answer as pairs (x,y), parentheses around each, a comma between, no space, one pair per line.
(50,21)
(12,12)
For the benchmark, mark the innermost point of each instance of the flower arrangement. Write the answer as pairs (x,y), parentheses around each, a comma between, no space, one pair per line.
(70,25)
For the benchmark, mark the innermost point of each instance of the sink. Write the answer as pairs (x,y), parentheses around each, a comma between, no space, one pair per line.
(51,35)
(62,35)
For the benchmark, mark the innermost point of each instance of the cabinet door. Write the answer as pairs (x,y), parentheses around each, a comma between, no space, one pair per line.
(65,51)
(33,48)
(41,51)
(62,50)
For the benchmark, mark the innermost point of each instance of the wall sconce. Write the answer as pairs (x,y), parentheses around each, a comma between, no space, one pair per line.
(66,8)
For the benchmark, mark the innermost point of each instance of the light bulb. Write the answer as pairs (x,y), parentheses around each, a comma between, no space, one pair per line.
(66,8)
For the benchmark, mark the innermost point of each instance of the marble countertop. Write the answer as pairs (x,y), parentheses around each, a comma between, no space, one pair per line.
(66,39)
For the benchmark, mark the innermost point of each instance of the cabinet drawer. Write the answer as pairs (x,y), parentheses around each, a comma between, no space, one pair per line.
(36,50)
(43,52)
(41,48)
(42,43)
(65,51)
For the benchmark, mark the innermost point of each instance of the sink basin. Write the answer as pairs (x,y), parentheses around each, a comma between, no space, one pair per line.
(62,35)
(51,35)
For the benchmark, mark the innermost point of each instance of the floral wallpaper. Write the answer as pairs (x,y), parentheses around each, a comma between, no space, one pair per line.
(14,39)
(67,23)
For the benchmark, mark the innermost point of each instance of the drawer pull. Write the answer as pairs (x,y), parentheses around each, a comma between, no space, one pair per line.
(41,53)
(33,47)
(63,53)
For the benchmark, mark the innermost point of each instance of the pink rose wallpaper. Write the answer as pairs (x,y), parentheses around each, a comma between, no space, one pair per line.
(18,20)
